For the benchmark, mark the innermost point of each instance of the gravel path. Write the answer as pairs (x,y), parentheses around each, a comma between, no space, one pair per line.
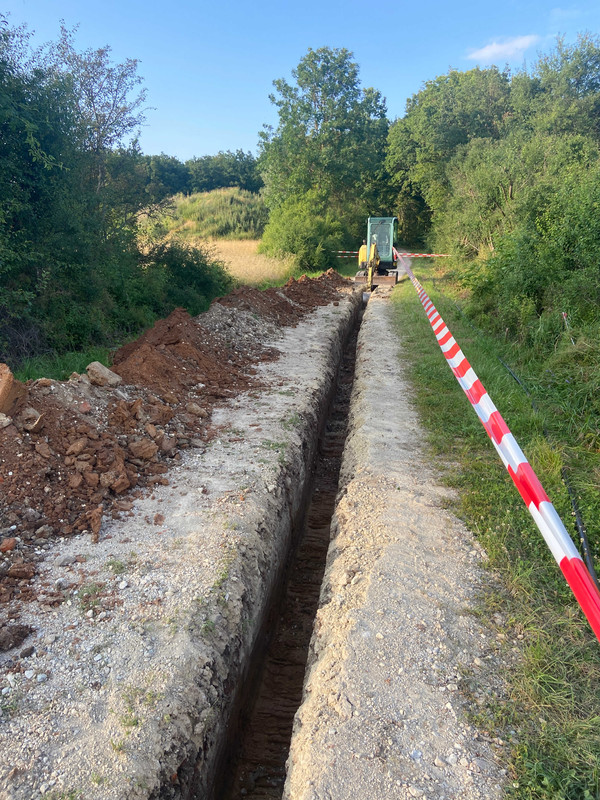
(396,647)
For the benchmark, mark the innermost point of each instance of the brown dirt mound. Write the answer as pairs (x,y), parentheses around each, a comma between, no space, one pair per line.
(73,452)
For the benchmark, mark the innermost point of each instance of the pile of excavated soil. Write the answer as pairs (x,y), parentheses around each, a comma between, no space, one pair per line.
(72,452)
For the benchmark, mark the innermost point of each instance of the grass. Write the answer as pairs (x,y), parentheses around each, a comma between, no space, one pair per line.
(553,701)
(223,213)
(60,367)
(243,261)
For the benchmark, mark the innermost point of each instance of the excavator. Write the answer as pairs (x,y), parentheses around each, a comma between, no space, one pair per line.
(382,235)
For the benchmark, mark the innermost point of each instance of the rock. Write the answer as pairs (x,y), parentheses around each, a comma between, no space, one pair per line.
(7,545)
(32,420)
(78,446)
(95,521)
(42,677)
(85,407)
(64,560)
(4,421)
(26,652)
(92,479)
(167,444)
(75,480)
(12,392)
(120,484)
(22,571)
(13,635)
(100,375)
(143,448)
(196,410)
(159,519)
(43,449)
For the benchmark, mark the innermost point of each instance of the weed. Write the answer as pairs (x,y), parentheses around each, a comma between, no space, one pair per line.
(118,747)
(89,596)
(60,367)
(129,720)
(208,627)
(291,422)
(115,566)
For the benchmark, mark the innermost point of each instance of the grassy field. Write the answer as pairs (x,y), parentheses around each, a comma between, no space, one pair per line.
(551,715)
(247,265)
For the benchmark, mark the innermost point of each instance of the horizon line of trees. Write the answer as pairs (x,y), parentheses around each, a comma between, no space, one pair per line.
(500,169)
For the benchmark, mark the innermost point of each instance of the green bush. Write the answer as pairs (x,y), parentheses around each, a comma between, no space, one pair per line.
(307,232)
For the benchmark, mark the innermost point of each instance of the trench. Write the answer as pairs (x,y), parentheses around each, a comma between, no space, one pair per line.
(255,765)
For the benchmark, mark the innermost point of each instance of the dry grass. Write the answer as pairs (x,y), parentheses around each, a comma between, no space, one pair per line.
(246,265)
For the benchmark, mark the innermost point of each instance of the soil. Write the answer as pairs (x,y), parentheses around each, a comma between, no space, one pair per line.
(76,453)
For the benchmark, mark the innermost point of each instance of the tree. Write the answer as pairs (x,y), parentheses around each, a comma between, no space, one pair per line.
(328,149)
(446,114)
(223,171)
(106,96)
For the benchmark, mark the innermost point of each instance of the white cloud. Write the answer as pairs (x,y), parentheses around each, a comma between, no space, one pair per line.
(504,50)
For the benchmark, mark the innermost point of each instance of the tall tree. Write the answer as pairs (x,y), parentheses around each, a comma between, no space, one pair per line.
(328,149)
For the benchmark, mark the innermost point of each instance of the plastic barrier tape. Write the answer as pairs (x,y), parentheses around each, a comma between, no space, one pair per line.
(531,490)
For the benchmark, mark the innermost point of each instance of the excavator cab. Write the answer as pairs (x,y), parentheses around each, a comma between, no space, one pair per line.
(382,235)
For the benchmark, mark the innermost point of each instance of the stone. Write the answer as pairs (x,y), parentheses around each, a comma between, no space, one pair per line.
(12,392)
(7,545)
(167,444)
(100,375)
(196,410)
(64,560)
(32,420)
(43,449)
(22,571)
(159,519)
(4,421)
(13,635)
(143,448)
(120,484)
(78,446)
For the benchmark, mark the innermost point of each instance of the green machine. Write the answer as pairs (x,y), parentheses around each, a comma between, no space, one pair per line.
(383,233)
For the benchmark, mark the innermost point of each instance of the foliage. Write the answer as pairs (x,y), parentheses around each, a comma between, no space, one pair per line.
(73,188)
(307,229)
(223,213)
(502,172)
(224,170)
(327,152)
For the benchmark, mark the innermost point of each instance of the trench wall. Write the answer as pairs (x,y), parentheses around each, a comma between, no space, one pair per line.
(290,414)
(396,655)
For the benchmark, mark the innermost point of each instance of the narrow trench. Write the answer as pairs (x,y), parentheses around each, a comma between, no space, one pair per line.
(257,769)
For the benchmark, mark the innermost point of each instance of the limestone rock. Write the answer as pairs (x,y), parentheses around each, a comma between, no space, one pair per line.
(12,392)
(100,375)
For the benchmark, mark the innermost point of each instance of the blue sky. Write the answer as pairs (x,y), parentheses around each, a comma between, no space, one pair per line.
(208,67)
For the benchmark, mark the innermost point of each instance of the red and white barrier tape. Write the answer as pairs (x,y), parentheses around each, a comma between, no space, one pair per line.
(531,490)
(425,255)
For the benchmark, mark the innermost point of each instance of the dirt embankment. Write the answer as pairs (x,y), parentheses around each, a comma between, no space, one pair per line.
(73,452)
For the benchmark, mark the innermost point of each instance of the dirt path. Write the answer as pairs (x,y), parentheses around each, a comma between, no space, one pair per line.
(396,648)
